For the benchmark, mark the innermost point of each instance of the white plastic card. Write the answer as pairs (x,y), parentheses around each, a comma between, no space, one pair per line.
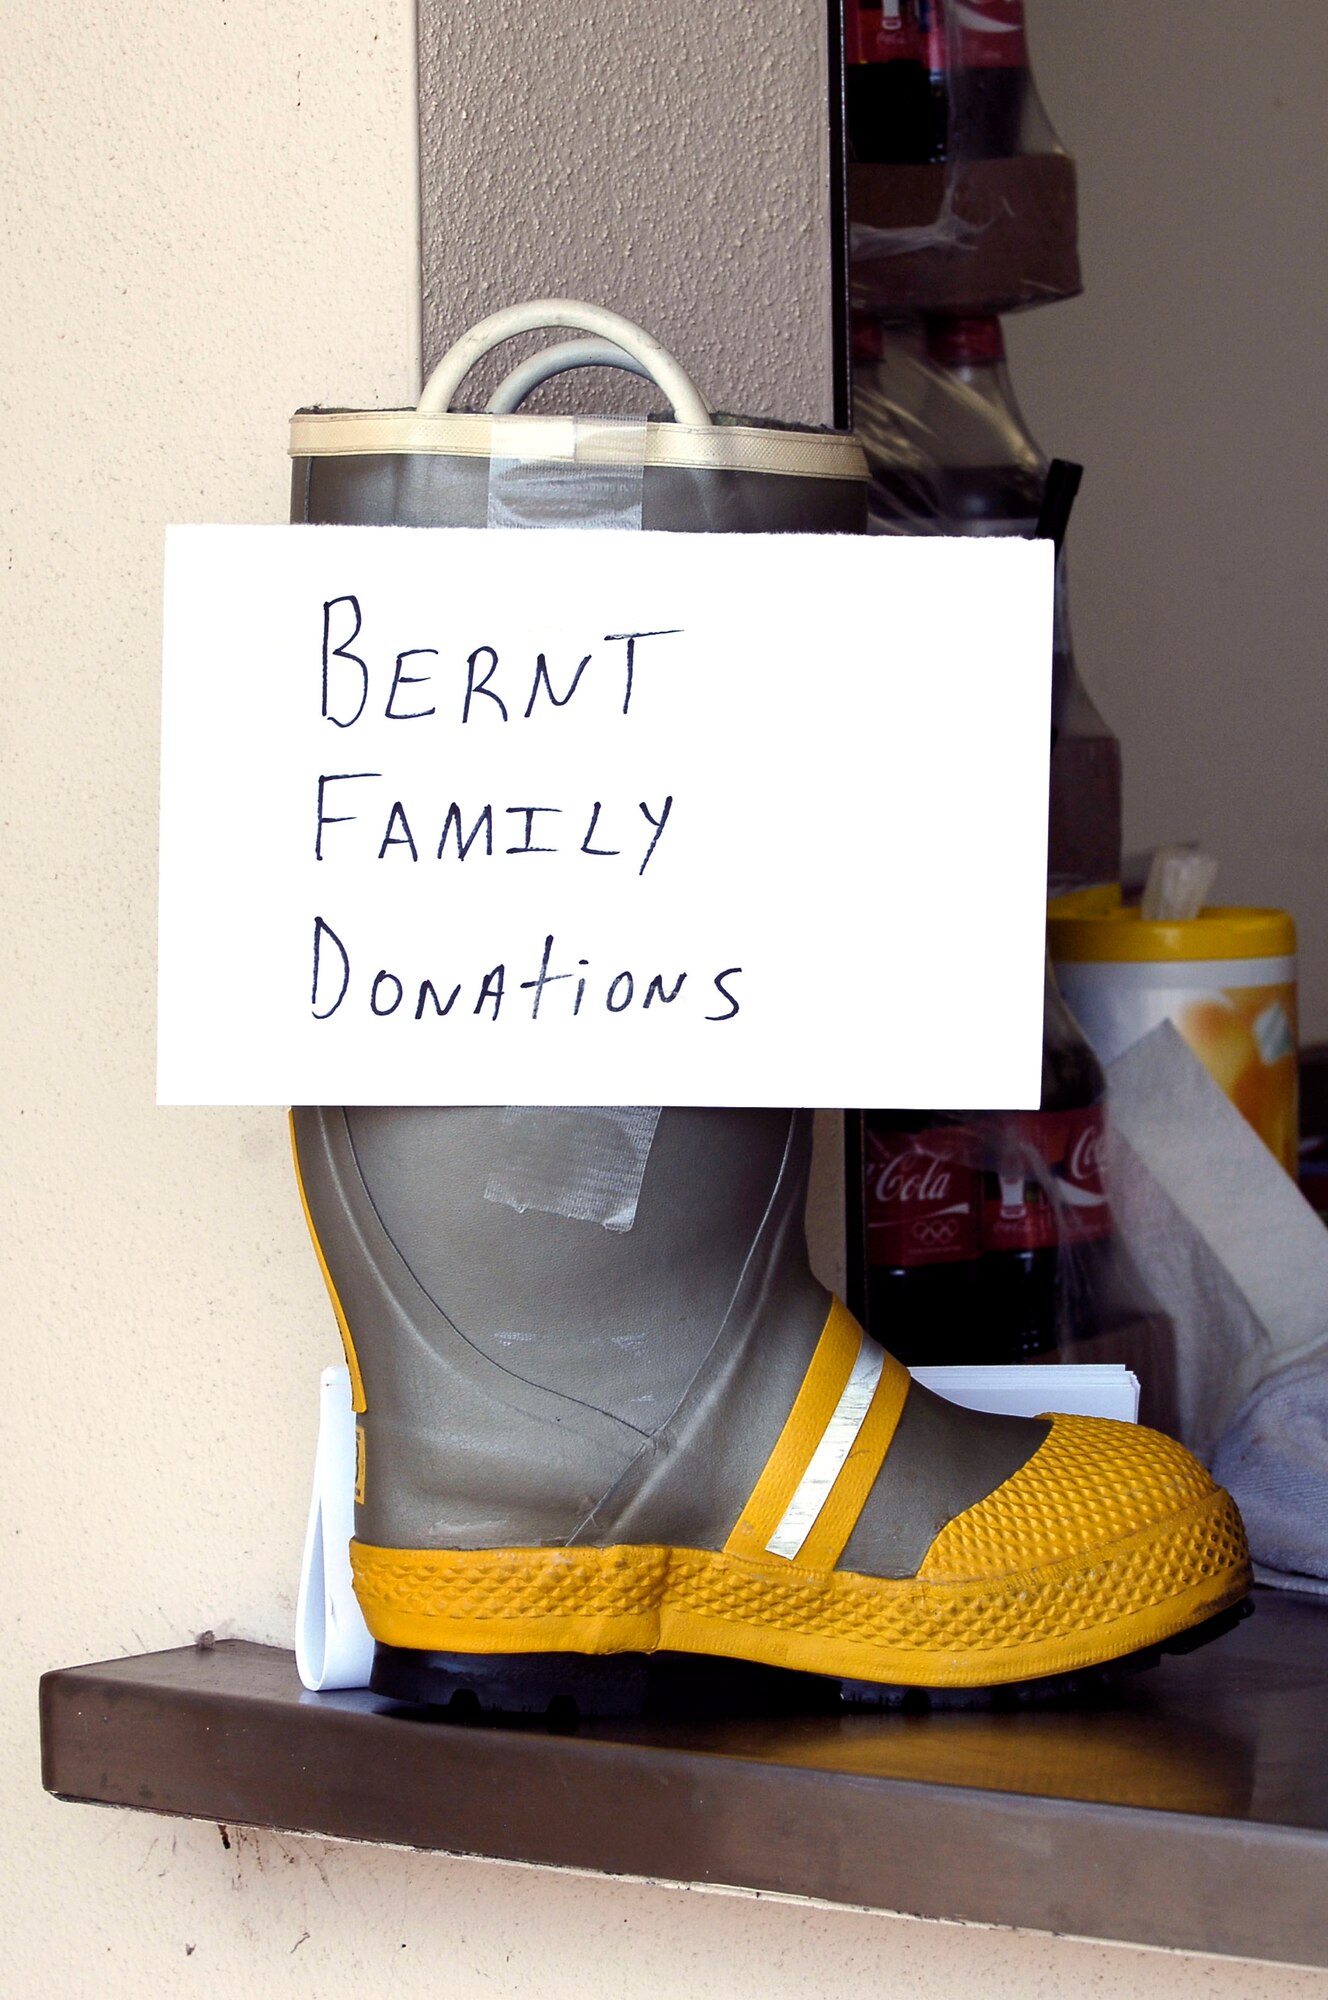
(455,817)
(333,1648)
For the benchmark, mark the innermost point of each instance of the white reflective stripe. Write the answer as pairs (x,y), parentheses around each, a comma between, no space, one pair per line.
(827,1461)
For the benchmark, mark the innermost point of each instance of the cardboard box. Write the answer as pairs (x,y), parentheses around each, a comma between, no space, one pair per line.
(971,236)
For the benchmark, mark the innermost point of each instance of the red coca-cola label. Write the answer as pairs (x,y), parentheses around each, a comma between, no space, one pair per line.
(858,21)
(1017,1214)
(977,34)
(885,32)
(1043,1181)
(922,1198)
(932,21)
(1082,1183)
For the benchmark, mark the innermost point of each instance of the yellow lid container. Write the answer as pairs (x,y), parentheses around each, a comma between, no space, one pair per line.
(1121,937)
(1225,979)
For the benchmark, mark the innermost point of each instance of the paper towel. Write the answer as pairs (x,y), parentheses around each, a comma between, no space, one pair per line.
(1239,1260)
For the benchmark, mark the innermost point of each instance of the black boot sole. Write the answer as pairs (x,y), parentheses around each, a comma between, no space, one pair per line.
(561,1689)
(1085,1685)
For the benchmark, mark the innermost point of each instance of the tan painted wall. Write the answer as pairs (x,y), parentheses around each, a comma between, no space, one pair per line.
(1189,379)
(209,220)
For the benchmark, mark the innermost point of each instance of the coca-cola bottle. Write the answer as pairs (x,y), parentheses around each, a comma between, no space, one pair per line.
(894,108)
(929,80)
(971,1218)
(948,452)
(922,1206)
(977,63)
(1044,1197)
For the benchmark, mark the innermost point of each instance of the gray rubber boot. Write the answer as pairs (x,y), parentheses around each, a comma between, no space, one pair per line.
(591,1430)
(573,1434)
(661,1361)
(531,1379)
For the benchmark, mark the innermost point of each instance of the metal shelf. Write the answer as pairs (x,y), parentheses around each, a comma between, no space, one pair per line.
(1189,1809)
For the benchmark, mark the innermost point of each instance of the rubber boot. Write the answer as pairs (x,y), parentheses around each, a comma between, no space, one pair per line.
(580,1442)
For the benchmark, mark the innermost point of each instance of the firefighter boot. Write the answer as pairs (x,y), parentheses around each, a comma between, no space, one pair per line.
(591,1432)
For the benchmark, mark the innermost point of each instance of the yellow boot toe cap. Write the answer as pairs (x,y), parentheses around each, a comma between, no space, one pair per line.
(1091,1484)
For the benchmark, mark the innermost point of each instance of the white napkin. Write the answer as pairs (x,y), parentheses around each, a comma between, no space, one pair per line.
(1223,1238)
(1274,1458)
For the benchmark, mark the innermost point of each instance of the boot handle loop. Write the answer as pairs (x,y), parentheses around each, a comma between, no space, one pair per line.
(536,368)
(689,406)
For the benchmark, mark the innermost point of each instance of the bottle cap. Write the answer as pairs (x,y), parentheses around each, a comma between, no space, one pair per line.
(867,338)
(1121,937)
(975,337)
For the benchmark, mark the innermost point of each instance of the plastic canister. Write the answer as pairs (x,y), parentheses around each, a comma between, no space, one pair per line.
(1226,979)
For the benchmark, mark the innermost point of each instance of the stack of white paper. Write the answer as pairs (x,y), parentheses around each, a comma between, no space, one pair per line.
(1032,1389)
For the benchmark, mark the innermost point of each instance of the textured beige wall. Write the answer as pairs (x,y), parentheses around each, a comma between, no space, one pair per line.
(669,161)
(209,219)
(1190,380)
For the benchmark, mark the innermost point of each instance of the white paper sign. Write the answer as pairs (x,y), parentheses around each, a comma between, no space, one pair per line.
(454,816)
